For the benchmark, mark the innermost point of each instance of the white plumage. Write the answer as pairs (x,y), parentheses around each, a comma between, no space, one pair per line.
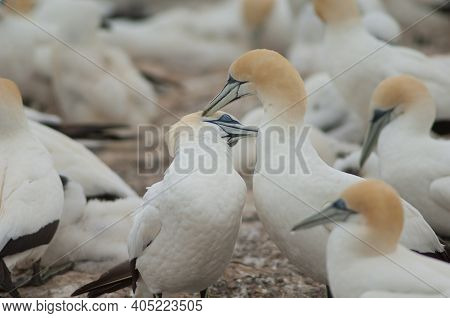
(92,81)
(75,161)
(378,61)
(211,37)
(286,193)
(31,190)
(409,159)
(364,258)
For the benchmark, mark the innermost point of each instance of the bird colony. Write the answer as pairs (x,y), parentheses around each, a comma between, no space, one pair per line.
(306,152)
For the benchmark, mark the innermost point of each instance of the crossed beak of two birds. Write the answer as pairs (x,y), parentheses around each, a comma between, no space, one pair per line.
(234,90)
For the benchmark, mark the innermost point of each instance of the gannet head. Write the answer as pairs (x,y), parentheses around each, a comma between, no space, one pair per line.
(268,75)
(11,108)
(195,126)
(336,11)
(372,203)
(255,12)
(392,98)
(18,6)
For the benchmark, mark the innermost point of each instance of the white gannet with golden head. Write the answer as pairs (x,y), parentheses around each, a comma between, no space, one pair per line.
(290,187)
(367,61)
(403,112)
(211,36)
(93,82)
(31,191)
(184,235)
(306,53)
(364,255)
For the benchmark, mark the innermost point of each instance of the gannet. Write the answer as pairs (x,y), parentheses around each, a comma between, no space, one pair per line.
(19,54)
(183,237)
(306,52)
(32,195)
(92,81)
(91,234)
(349,43)
(211,37)
(286,187)
(364,257)
(410,160)
(75,161)
(328,112)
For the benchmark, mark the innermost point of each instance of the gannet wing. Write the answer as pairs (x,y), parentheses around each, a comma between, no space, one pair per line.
(418,65)
(417,234)
(440,192)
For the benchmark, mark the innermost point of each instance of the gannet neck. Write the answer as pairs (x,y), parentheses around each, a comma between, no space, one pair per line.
(256,12)
(336,12)
(277,83)
(381,208)
(12,115)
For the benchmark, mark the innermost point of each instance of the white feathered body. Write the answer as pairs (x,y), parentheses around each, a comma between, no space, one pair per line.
(370,61)
(32,194)
(191,222)
(76,162)
(356,270)
(285,197)
(416,165)
(102,88)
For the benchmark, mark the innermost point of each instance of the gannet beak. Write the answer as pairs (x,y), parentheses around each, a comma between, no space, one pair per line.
(232,91)
(234,130)
(380,119)
(337,212)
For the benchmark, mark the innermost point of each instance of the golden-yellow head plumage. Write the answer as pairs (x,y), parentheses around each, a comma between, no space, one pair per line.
(336,11)
(274,78)
(189,125)
(399,90)
(255,12)
(20,6)
(9,94)
(381,206)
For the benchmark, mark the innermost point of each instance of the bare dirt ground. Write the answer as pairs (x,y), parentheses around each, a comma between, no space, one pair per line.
(258,269)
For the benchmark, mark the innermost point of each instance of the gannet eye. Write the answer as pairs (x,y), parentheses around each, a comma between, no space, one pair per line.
(340,205)
(227,119)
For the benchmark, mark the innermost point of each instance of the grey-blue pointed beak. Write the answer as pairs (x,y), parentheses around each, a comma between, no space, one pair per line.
(337,212)
(230,93)
(380,119)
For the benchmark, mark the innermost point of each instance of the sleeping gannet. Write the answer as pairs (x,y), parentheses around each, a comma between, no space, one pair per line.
(288,188)
(211,37)
(31,192)
(361,61)
(184,235)
(411,161)
(112,90)
(364,257)
(306,52)
(91,234)
(75,161)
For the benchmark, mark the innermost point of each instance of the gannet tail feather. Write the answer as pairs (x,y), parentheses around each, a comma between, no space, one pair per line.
(113,280)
